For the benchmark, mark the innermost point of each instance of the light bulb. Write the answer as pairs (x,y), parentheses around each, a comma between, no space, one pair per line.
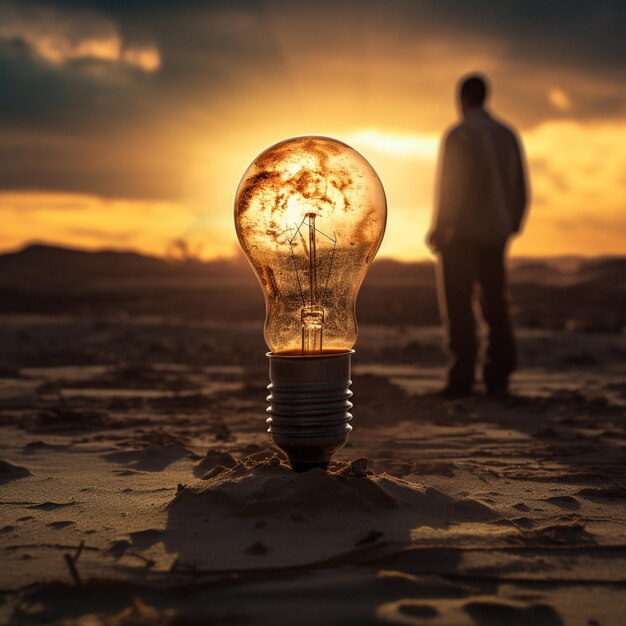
(310,215)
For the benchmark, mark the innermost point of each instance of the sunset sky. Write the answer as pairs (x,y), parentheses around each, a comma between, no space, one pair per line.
(128,124)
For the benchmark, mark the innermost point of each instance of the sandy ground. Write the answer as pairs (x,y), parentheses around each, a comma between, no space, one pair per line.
(138,485)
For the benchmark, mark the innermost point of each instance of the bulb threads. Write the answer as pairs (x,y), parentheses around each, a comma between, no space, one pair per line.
(309,410)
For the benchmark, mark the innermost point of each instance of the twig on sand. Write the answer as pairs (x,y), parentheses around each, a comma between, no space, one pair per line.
(71,564)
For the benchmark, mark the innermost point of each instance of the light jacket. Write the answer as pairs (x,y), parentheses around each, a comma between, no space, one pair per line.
(482,188)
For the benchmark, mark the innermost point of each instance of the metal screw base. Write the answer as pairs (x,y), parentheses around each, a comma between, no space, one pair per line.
(309,406)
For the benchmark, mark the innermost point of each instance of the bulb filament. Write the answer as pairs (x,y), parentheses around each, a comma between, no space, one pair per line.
(312,315)
(312,259)
(313,311)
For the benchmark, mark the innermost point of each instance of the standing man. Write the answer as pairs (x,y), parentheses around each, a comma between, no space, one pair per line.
(482,198)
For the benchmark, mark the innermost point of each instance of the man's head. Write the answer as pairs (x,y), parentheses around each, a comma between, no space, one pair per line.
(473,91)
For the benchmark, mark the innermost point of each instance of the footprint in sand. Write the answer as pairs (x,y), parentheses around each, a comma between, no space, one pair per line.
(565,502)
(479,611)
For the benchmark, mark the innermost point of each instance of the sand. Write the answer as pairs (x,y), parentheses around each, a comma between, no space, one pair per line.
(262,508)
(138,485)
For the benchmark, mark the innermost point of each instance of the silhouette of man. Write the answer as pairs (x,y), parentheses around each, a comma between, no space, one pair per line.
(482,198)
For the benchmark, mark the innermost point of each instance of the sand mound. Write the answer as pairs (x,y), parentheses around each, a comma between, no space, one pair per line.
(10,472)
(263,509)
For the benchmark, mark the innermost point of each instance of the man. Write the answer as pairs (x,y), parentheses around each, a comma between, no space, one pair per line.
(482,198)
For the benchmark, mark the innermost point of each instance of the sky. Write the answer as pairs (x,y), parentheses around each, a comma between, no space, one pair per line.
(129,123)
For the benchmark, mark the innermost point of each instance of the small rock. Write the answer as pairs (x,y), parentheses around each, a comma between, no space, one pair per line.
(359,467)
(213,459)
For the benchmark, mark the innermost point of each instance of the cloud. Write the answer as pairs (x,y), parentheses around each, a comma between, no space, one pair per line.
(559,99)
(88,162)
(578,189)
(92,222)
(146,58)
(59,37)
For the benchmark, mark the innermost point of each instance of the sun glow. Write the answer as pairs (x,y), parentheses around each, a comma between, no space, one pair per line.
(397,144)
(577,192)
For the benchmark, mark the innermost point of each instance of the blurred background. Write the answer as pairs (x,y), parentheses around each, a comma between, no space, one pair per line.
(126,126)
(132,357)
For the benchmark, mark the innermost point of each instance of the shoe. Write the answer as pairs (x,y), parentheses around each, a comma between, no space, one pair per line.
(454,392)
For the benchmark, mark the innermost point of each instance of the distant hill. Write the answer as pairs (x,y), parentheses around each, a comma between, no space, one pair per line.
(41,267)
(560,292)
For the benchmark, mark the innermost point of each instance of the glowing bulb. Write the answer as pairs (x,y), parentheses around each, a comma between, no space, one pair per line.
(310,214)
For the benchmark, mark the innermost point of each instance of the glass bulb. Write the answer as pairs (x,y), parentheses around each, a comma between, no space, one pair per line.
(310,214)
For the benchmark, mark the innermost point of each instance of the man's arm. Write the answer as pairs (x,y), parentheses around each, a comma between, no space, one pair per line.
(521,187)
(450,190)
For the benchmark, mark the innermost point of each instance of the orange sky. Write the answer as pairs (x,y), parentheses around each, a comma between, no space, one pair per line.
(141,138)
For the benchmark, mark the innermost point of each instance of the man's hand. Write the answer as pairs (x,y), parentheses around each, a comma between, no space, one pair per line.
(437,238)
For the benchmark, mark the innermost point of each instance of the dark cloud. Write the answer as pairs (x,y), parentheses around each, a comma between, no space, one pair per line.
(38,96)
(578,34)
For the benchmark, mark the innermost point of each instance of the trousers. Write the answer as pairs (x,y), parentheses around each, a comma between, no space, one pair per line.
(468,267)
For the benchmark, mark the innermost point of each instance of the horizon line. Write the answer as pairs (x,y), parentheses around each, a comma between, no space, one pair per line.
(237,255)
